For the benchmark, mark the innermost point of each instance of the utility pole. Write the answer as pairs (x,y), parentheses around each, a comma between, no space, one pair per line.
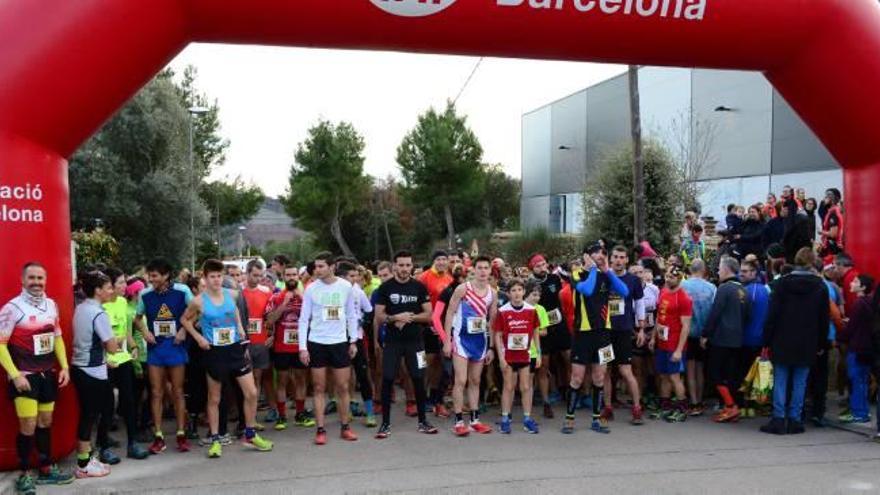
(640,229)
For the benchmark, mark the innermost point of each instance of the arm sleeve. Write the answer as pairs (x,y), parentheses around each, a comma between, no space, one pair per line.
(351,317)
(437,322)
(589,285)
(6,361)
(305,315)
(617,285)
(61,353)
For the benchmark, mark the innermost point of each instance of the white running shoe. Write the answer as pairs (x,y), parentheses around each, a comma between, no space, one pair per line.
(94,469)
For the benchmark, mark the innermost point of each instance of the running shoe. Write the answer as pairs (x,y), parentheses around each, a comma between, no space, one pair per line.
(548,411)
(599,425)
(460,429)
(135,451)
(794,427)
(696,409)
(384,431)
(727,415)
(660,414)
(225,439)
(320,437)
(568,426)
(356,410)
(258,443)
(607,413)
(108,457)
(192,430)
(53,475)
(330,408)
(25,485)
(411,409)
(747,412)
(304,420)
(94,469)
(530,425)
(505,426)
(348,434)
(440,411)
(158,445)
(637,416)
(876,437)
(259,427)
(427,428)
(818,421)
(281,423)
(216,450)
(370,421)
(479,427)
(271,416)
(183,444)
(849,419)
(676,416)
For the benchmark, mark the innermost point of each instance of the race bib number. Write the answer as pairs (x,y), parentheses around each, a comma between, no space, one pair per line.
(663,332)
(554,317)
(649,320)
(255,326)
(223,336)
(164,328)
(617,306)
(44,343)
(291,336)
(333,313)
(606,354)
(517,342)
(421,362)
(476,325)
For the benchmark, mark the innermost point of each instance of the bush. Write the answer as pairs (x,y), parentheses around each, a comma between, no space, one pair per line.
(557,248)
(608,198)
(95,247)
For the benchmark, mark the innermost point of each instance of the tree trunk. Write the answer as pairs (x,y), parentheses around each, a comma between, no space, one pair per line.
(385,224)
(450,227)
(336,231)
(640,229)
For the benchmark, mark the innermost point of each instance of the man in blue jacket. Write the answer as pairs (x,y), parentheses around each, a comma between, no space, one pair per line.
(759,301)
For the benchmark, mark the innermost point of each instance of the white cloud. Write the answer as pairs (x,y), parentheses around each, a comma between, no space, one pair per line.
(270,96)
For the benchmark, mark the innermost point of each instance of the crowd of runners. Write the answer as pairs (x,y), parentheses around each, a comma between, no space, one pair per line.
(612,328)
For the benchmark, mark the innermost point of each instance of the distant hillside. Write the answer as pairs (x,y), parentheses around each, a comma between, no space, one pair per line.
(271,223)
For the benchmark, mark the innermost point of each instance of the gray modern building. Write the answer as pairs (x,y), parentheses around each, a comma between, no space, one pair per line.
(749,139)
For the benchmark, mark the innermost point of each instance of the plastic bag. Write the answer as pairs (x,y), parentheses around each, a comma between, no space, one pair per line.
(758,383)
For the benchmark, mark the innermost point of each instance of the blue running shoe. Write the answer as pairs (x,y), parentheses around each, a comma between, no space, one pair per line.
(600,426)
(505,426)
(271,416)
(530,425)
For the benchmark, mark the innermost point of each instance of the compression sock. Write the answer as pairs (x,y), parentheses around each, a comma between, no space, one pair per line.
(475,415)
(281,405)
(598,394)
(368,407)
(574,396)
(249,432)
(300,406)
(24,444)
(724,392)
(44,446)
(82,459)
(459,418)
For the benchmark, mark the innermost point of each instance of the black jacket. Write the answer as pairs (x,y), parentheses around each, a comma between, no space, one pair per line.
(751,234)
(728,317)
(796,236)
(774,229)
(798,321)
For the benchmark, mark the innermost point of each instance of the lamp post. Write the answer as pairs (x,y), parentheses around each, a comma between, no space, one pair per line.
(241,229)
(194,112)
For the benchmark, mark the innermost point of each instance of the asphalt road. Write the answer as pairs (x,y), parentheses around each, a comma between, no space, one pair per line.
(658,458)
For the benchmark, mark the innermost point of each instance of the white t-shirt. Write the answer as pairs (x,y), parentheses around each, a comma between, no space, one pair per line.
(329,315)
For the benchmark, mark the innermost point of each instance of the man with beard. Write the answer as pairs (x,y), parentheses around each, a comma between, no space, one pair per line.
(282,317)
(557,340)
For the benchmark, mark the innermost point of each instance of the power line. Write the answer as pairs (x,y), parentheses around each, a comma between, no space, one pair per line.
(468,81)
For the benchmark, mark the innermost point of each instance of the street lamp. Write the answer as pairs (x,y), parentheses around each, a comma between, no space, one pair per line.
(194,111)
(241,229)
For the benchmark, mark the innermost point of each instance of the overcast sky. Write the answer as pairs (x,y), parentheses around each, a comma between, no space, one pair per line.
(270,96)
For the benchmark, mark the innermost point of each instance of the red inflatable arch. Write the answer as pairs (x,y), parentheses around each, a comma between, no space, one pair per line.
(66,66)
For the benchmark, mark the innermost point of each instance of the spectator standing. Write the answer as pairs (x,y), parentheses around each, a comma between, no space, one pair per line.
(856,334)
(795,333)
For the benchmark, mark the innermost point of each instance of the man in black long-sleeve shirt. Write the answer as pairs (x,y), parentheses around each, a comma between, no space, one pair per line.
(724,333)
